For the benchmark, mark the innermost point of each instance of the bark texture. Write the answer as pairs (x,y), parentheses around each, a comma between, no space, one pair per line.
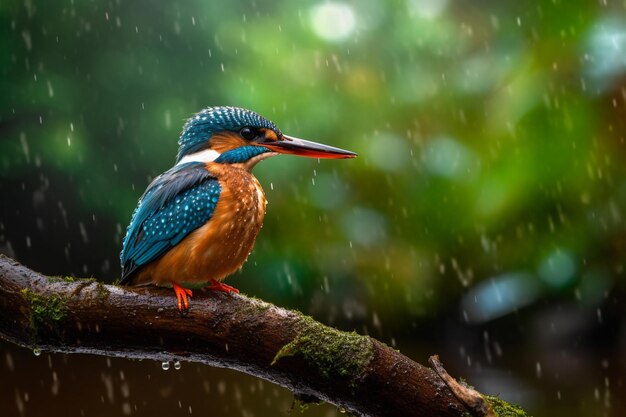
(351,371)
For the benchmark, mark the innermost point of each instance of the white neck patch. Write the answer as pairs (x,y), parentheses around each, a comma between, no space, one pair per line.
(207,155)
(253,161)
(250,163)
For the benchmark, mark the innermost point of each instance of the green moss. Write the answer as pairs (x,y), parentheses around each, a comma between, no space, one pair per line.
(45,311)
(504,409)
(62,279)
(83,283)
(302,402)
(102,293)
(332,352)
(255,307)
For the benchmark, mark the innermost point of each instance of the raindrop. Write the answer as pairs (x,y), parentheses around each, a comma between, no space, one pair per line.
(177,365)
(497,348)
(326,286)
(25,146)
(36,351)
(375,320)
(165,365)
(10,362)
(27,40)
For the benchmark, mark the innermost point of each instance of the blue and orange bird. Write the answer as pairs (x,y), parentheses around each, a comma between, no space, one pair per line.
(197,222)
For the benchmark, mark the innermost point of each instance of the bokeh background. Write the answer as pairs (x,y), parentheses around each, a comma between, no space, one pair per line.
(483,219)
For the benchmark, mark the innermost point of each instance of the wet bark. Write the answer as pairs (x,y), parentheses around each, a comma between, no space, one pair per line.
(355,372)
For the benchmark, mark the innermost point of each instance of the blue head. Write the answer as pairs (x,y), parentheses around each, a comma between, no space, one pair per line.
(232,135)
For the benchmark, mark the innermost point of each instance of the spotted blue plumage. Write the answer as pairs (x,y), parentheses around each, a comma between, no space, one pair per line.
(211,120)
(176,203)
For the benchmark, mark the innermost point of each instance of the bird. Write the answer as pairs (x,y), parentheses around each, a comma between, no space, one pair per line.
(197,222)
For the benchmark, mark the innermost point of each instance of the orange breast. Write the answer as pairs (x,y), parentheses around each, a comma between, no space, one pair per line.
(223,244)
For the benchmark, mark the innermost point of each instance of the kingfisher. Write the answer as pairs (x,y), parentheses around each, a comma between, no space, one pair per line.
(196,223)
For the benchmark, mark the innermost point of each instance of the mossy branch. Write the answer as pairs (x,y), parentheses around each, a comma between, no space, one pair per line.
(354,372)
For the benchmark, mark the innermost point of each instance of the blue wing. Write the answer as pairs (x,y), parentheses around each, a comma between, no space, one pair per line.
(176,203)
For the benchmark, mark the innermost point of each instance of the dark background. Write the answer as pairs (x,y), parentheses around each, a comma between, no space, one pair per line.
(483,219)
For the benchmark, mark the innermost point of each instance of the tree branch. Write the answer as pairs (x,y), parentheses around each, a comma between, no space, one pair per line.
(355,372)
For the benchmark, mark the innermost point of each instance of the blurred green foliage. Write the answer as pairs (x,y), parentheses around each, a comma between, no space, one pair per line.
(490,178)
(491,135)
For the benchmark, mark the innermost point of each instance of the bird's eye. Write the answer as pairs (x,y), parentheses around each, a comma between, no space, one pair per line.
(247,133)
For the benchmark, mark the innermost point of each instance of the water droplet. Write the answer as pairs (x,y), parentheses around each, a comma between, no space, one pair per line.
(165,365)
(177,365)
(36,351)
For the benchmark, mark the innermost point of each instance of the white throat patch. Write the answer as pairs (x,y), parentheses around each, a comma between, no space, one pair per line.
(255,160)
(207,155)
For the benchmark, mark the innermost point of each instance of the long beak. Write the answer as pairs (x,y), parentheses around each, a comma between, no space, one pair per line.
(301,147)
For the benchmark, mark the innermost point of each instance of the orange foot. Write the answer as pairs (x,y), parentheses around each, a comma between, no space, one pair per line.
(181,295)
(219,286)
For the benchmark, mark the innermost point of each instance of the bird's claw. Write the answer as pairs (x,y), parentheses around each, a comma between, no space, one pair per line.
(181,296)
(220,286)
